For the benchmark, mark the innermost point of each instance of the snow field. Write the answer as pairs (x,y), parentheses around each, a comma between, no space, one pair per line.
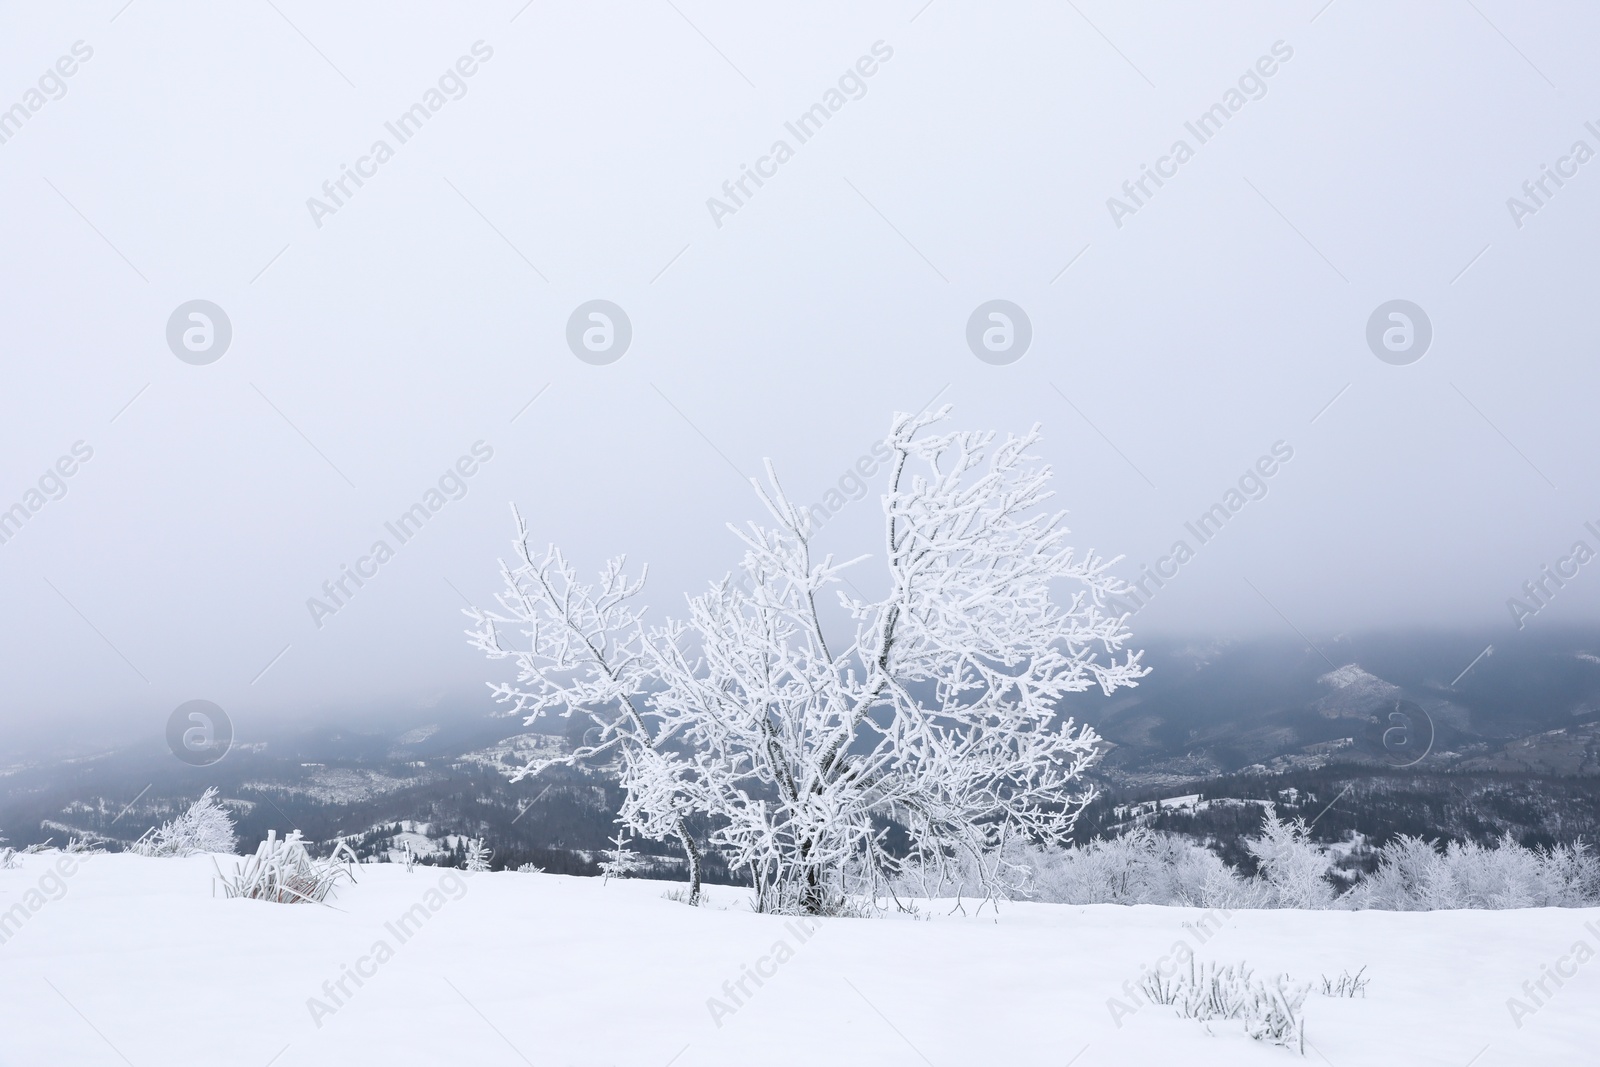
(131,960)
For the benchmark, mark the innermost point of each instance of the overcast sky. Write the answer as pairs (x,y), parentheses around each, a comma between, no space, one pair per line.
(380,332)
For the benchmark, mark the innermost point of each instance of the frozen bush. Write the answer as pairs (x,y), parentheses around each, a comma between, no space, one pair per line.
(1415,875)
(205,827)
(1410,877)
(1140,867)
(284,872)
(620,861)
(1571,875)
(1293,869)
(477,855)
(1144,866)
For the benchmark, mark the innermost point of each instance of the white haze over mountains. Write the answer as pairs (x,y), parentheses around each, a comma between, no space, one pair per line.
(423,321)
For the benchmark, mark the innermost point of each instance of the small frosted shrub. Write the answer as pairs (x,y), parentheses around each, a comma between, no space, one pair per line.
(620,861)
(1347,985)
(284,872)
(477,854)
(1270,1010)
(205,827)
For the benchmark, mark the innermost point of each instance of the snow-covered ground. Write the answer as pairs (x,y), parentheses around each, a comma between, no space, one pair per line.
(128,960)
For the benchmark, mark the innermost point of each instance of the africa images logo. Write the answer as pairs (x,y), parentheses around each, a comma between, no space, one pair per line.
(199,733)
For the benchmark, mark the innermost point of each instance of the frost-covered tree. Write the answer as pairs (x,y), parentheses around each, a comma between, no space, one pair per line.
(582,650)
(205,827)
(919,726)
(937,711)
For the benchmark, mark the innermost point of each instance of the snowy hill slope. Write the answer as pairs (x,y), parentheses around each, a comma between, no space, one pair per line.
(128,960)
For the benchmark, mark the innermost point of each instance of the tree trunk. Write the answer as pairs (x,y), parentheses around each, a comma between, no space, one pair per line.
(813,899)
(691,852)
(813,895)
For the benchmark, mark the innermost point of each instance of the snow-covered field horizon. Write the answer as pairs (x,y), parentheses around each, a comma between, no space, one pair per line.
(123,959)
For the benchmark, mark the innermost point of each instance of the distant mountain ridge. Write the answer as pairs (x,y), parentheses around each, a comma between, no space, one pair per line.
(1273,706)
(1382,709)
